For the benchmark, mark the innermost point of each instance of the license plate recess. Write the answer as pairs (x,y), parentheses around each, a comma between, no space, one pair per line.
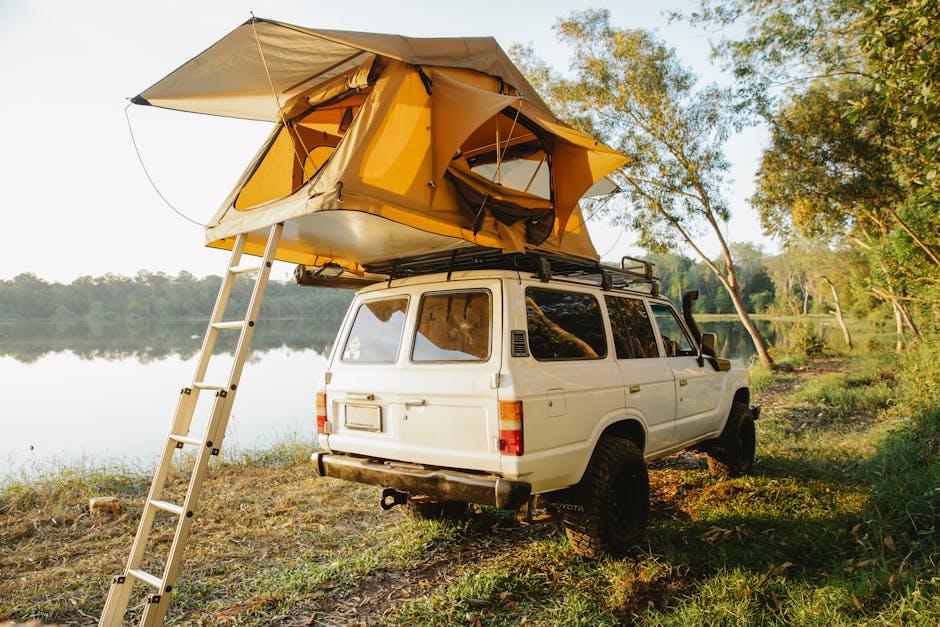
(363,417)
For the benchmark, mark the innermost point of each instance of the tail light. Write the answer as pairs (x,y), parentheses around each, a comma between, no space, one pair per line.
(510,428)
(321,412)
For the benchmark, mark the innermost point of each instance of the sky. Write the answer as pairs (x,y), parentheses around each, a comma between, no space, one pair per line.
(75,199)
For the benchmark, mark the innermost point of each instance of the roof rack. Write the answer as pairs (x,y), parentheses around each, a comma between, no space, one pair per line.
(542,264)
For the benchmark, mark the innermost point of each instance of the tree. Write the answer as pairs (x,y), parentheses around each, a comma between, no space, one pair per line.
(628,88)
(865,75)
(900,40)
(828,176)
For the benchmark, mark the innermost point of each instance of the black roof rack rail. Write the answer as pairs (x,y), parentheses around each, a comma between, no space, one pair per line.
(544,265)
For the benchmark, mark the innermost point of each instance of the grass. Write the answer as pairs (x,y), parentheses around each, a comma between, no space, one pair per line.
(832,528)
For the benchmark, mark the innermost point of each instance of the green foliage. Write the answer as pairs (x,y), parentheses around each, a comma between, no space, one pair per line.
(679,274)
(846,392)
(905,481)
(805,341)
(905,472)
(761,378)
(902,43)
(629,89)
(824,173)
(781,42)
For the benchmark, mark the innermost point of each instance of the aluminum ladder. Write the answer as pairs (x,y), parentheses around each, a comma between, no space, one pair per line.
(207,445)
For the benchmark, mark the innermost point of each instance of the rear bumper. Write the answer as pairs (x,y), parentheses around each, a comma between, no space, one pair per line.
(438,483)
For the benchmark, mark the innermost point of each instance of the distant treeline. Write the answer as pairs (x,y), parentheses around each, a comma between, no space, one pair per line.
(158,296)
(790,283)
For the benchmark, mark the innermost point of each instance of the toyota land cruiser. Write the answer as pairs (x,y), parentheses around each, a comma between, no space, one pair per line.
(530,380)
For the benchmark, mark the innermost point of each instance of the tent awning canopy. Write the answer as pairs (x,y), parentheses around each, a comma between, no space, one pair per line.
(239,75)
(387,145)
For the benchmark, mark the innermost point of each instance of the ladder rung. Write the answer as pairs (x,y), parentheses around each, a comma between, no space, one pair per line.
(202,385)
(147,578)
(244,269)
(168,507)
(234,324)
(182,439)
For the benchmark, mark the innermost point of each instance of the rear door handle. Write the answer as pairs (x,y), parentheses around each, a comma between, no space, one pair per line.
(634,389)
(356,396)
(683,381)
(415,402)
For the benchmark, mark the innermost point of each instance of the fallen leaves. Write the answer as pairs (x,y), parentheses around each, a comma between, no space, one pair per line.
(859,565)
(720,534)
(772,571)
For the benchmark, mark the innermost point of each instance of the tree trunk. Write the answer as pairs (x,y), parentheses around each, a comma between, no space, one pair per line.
(899,324)
(792,303)
(756,337)
(839,318)
(908,320)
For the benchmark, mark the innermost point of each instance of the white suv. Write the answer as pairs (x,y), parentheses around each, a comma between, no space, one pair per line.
(536,377)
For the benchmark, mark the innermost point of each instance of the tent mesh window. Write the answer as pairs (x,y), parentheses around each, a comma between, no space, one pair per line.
(299,150)
(504,168)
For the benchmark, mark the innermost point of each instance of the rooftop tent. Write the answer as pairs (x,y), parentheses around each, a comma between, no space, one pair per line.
(386,146)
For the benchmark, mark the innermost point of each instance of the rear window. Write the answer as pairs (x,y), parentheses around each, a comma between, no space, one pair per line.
(453,326)
(564,325)
(376,331)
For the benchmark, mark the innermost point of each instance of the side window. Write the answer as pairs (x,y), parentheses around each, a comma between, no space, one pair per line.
(564,325)
(631,327)
(453,326)
(675,340)
(376,331)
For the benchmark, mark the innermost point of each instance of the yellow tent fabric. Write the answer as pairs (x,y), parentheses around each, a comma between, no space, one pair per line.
(387,146)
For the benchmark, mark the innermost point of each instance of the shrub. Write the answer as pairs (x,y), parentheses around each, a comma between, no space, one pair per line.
(805,341)
(906,469)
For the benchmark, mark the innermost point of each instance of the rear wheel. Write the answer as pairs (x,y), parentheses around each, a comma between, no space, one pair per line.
(733,452)
(615,497)
(437,510)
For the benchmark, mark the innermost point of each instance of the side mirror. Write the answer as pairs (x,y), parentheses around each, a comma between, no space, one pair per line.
(709,342)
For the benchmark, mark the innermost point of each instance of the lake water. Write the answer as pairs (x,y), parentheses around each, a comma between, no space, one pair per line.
(98,392)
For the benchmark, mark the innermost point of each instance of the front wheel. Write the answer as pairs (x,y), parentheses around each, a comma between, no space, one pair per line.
(733,453)
(614,501)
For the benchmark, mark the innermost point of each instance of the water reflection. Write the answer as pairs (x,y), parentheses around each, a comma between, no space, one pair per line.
(734,342)
(97,392)
(146,341)
(68,408)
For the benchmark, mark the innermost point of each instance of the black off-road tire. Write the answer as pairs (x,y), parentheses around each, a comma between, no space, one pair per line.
(444,510)
(732,454)
(615,496)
